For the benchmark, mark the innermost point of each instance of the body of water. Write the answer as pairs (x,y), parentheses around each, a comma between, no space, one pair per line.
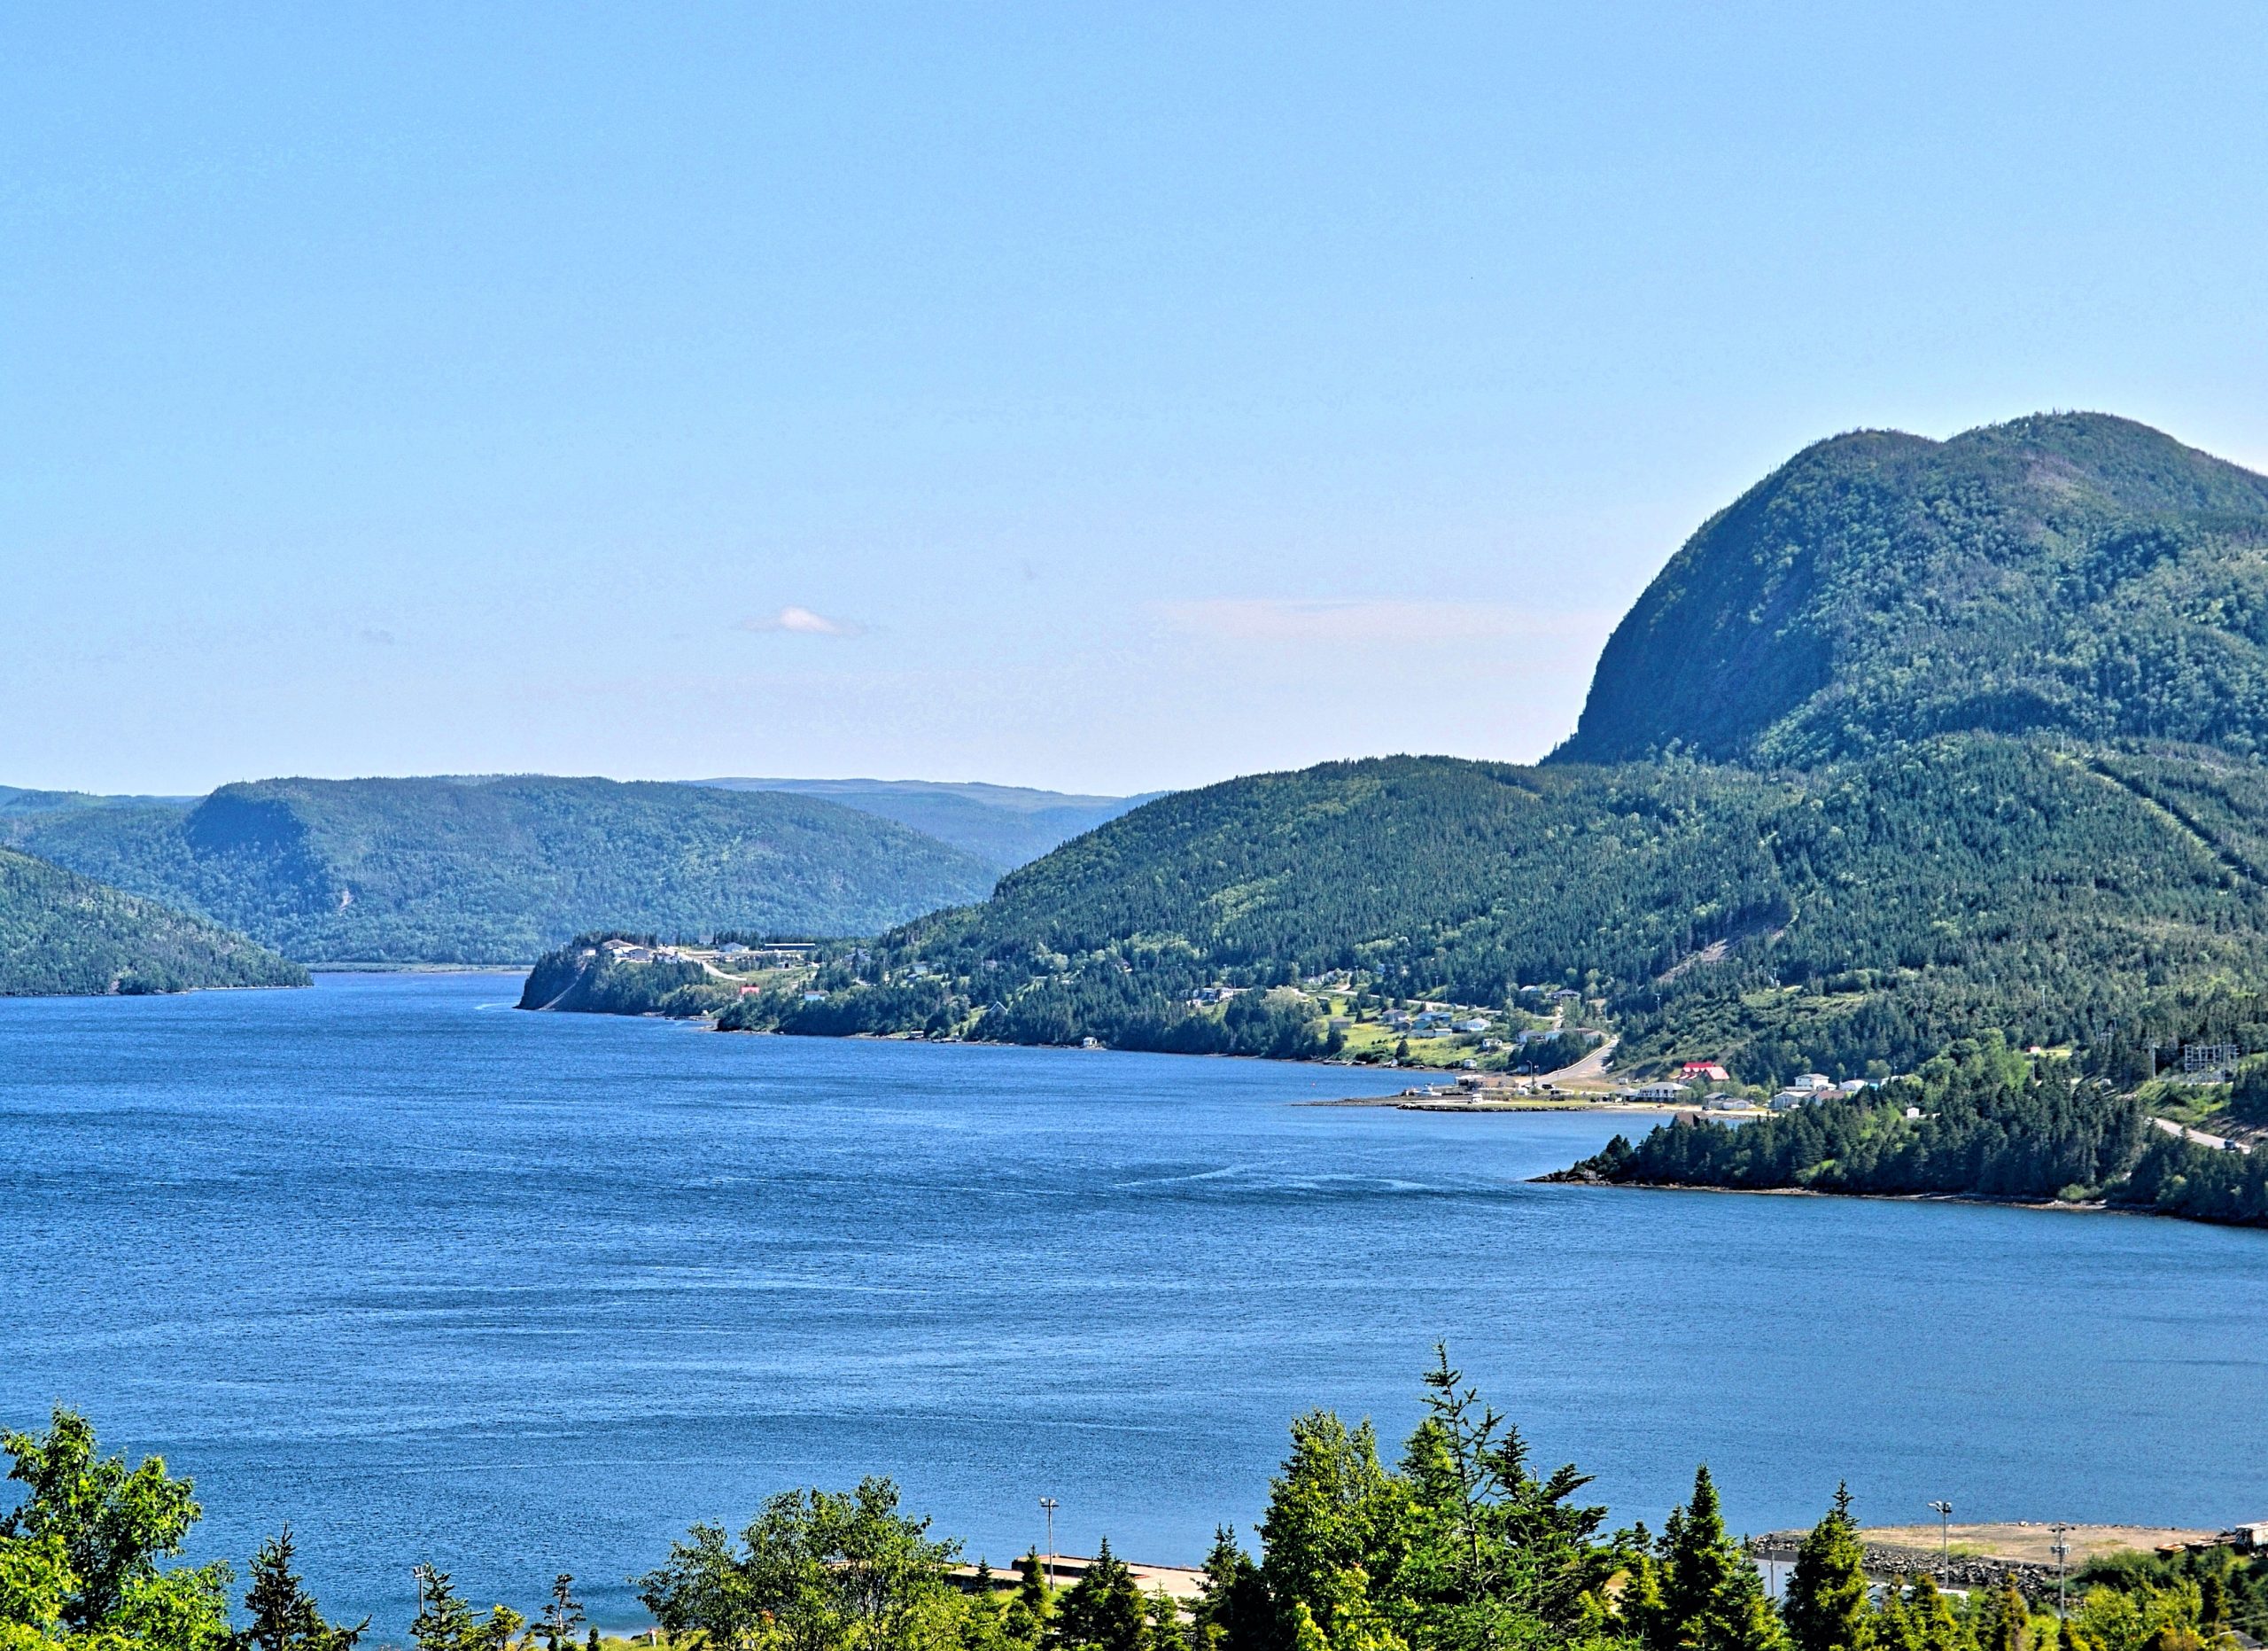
(515,1294)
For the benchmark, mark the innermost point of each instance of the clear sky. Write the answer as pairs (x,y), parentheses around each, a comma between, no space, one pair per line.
(1097,397)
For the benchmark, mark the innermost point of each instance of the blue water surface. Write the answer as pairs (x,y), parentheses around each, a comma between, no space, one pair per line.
(434,1280)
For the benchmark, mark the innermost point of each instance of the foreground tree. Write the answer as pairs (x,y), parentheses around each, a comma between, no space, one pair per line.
(1103,1611)
(562,1615)
(1826,1605)
(79,1553)
(1495,1556)
(1699,1592)
(284,1615)
(445,1622)
(817,1570)
(1233,1611)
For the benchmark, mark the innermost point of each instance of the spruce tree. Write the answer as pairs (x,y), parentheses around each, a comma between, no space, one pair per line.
(562,1616)
(1103,1611)
(444,1621)
(1233,1612)
(1826,1603)
(284,1616)
(1029,1611)
(1710,1597)
(2007,1623)
(1935,1627)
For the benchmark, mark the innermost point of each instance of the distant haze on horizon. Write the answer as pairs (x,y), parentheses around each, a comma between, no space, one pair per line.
(1099,403)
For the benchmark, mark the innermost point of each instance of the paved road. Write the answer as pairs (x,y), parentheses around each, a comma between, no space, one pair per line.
(2219,1143)
(1592,1065)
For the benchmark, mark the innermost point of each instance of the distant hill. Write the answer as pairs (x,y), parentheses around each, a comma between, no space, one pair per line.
(2069,573)
(497,870)
(61,934)
(1005,826)
(14,799)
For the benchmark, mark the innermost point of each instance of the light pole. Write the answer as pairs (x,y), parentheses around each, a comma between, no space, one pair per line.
(1047,1507)
(1943,1511)
(2061,1550)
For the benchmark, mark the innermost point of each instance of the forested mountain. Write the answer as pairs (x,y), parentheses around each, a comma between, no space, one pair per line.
(2070,574)
(1938,683)
(495,870)
(61,933)
(1855,917)
(16,799)
(1005,826)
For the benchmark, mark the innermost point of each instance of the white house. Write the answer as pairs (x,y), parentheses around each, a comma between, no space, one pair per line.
(1659,1092)
(1812,1080)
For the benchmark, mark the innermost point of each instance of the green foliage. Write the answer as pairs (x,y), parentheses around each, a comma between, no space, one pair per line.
(1103,1611)
(562,1614)
(63,934)
(1992,1124)
(79,1553)
(1234,1611)
(2181,1178)
(496,871)
(2215,1589)
(1697,1591)
(1853,919)
(284,1615)
(445,1622)
(111,1523)
(1826,1606)
(817,1570)
(2068,574)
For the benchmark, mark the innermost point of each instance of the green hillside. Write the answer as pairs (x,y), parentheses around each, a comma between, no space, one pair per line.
(62,934)
(1852,918)
(2071,573)
(495,871)
(1939,685)
(1005,826)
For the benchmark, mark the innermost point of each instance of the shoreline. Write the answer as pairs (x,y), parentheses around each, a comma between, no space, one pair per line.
(2093,1206)
(1557,1103)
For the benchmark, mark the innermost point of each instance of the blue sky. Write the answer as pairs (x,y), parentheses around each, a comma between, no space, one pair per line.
(1099,398)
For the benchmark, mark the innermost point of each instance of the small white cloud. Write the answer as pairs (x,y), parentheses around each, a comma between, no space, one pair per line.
(802,622)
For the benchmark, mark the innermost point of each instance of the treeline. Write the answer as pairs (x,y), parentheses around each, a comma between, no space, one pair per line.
(1980,1121)
(64,935)
(1462,1544)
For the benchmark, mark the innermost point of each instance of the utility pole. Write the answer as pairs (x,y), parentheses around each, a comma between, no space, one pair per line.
(1943,1511)
(2062,1551)
(1047,1506)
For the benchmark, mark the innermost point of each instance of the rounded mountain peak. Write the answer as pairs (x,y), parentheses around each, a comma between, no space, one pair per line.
(2069,571)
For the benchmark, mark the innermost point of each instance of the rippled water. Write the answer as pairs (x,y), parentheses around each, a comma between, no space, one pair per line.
(518,1293)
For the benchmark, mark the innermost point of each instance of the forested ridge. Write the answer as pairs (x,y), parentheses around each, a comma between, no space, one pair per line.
(1855,918)
(64,935)
(1462,1542)
(1918,741)
(496,871)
